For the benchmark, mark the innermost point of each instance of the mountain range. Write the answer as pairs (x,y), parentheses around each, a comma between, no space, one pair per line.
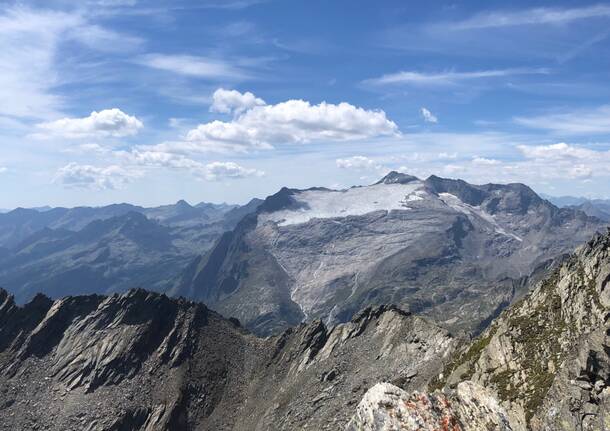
(443,248)
(143,361)
(62,251)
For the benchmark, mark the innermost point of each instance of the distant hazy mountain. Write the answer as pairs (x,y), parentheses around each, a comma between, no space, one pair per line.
(444,248)
(18,224)
(564,201)
(52,253)
(599,208)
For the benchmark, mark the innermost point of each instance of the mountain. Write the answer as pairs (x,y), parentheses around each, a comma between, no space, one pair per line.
(107,255)
(599,208)
(101,250)
(547,358)
(443,248)
(564,201)
(18,224)
(143,361)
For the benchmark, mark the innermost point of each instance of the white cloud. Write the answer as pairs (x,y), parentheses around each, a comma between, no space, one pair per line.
(482,161)
(291,122)
(198,67)
(565,161)
(213,171)
(532,17)
(571,123)
(160,159)
(107,123)
(448,78)
(358,162)
(103,39)
(111,177)
(30,43)
(560,151)
(115,3)
(429,117)
(234,102)
(3,169)
(217,171)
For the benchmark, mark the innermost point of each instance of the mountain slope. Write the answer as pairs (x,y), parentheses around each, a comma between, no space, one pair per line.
(144,247)
(438,247)
(547,358)
(142,361)
(108,255)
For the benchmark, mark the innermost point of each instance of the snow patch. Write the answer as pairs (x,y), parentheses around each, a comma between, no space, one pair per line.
(343,203)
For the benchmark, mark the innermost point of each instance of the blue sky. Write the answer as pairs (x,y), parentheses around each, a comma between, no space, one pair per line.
(154,101)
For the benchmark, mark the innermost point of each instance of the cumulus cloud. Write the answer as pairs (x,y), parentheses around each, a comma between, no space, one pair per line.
(292,122)
(482,161)
(560,151)
(234,102)
(111,177)
(107,123)
(566,161)
(572,123)
(429,117)
(214,171)
(358,162)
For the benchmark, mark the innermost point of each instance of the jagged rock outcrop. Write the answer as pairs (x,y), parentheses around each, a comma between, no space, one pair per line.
(450,250)
(470,407)
(143,361)
(547,358)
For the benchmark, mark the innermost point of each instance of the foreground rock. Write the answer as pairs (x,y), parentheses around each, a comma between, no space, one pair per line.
(547,358)
(468,408)
(143,361)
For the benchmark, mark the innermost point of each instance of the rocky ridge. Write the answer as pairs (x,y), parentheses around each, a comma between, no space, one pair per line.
(547,358)
(143,361)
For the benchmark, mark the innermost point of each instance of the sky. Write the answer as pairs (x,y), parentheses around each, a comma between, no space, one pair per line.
(149,102)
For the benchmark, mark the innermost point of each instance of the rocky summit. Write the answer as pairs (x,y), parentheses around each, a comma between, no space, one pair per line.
(447,249)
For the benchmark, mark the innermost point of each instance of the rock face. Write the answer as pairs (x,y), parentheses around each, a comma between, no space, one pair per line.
(436,247)
(468,408)
(547,358)
(143,361)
